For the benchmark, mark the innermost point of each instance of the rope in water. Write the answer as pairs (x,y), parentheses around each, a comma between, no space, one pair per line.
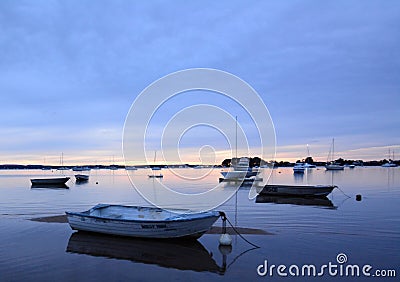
(225,218)
(343,192)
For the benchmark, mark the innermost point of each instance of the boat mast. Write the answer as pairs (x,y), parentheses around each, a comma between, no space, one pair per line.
(236,141)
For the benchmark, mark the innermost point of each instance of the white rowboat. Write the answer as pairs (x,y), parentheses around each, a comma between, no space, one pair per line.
(144,222)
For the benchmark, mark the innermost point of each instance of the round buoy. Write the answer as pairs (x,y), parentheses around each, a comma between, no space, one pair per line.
(225,239)
(358,197)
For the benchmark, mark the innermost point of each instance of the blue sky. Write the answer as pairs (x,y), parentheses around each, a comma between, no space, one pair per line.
(69,71)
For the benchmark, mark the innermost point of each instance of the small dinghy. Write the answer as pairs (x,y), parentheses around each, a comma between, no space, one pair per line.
(81,177)
(144,222)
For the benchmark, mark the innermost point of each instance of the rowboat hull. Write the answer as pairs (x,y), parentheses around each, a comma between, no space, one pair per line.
(297,190)
(138,222)
(49,181)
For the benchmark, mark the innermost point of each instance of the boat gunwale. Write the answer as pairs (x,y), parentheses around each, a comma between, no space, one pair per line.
(86,214)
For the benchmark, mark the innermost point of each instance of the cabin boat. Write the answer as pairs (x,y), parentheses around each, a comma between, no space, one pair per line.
(144,222)
(299,168)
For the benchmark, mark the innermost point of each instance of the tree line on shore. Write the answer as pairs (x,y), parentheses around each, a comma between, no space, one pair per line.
(253,162)
(257,162)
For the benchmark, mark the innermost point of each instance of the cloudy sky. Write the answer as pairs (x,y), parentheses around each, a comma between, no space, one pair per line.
(70,70)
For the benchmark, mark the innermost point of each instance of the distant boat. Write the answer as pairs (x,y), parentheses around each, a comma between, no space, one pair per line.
(156,175)
(241,170)
(81,177)
(244,181)
(307,165)
(297,190)
(153,168)
(49,181)
(81,168)
(62,167)
(113,167)
(131,167)
(299,168)
(389,163)
(332,165)
(144,222)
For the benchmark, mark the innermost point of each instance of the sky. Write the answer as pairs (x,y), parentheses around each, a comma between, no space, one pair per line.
(70,71)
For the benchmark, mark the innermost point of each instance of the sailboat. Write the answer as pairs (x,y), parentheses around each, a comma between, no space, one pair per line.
(62,167)
(153,168)
(332,165)
(389,163)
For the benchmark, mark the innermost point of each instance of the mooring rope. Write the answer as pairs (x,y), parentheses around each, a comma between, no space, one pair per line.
(225,218)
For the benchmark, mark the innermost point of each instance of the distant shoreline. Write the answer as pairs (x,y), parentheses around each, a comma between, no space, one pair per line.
(276,164)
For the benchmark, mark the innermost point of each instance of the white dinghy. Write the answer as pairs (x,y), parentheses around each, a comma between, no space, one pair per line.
(145,222)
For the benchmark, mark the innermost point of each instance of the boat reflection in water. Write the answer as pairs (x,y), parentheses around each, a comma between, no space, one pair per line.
(300,201)
(178,254)
(49,186)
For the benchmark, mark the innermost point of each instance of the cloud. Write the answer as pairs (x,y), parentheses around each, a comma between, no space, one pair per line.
(323,69)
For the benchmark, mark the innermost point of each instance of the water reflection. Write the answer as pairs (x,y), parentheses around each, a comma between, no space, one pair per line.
(182,255)
(317,202)
(298,177)
(81,181)
(49,186)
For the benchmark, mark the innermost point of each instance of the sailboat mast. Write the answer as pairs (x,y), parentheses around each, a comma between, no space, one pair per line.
(333,149)
(236,138)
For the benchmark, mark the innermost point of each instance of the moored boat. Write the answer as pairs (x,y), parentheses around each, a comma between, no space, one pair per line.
(81,177)
(50,181)
(145,222)
(332,165)
(299,168)
(298,190)
(155,175)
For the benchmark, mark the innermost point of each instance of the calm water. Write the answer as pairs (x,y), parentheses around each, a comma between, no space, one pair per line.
(298,231)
